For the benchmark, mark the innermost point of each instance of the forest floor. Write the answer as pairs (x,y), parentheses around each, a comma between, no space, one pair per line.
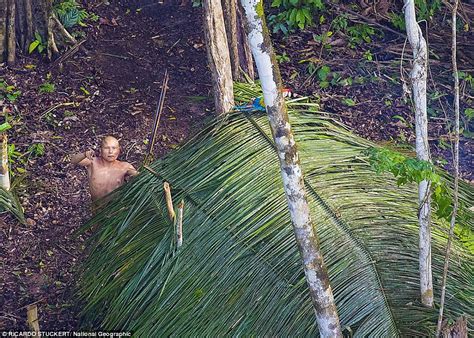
(112,85)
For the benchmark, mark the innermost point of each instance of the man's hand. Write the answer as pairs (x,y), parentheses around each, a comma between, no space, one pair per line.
(83,159)
(89,154)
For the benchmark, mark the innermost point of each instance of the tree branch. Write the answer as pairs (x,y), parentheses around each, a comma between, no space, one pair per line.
(456,167)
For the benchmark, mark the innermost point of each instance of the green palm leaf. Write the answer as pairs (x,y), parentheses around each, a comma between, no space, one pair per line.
(70,17)
(9,203)
(238,271)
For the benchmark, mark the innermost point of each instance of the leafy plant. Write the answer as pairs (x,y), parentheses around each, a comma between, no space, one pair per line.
(425,9)
(283,58)
(340,23)
(84,90)
(398,21)
(4,127)
(93,17)
(468,118)
(47,87)
(469,114)
(36,149)
(348,101)
(468,78)
(412,170)
(13,154)
(8,92)
(323,38)
(368,55)
(52,119)
(37,44)
(359,34)
(70,13)
(294,14)
(238,272)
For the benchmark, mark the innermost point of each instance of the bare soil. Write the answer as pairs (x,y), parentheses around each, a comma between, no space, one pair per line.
(120,70)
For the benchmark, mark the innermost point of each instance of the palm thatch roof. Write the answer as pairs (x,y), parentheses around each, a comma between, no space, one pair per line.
(238,271)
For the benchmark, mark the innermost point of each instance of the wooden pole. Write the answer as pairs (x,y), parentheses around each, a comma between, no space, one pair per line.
(4,171)
(455,164)
(32,318)
(169,201)
(156,121)
(179,224)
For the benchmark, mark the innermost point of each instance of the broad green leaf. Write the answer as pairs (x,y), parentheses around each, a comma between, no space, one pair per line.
(4,127)
(323,73)
(33,46)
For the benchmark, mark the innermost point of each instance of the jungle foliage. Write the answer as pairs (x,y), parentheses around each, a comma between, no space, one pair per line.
(239,271)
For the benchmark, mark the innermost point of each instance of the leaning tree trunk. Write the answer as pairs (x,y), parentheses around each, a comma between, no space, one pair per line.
(245,54)
(230,14)
(20,20)
(293,182)
(239,49)
(218,56)
(418,78)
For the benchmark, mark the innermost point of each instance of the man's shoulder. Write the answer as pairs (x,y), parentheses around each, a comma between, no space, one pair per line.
(124,165)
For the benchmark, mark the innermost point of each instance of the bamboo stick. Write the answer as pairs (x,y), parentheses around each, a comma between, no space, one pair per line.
(32,318)
(179,224)
(169,201)
(4,172)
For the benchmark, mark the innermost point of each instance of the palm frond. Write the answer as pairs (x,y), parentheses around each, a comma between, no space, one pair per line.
(9,203)
(238,271)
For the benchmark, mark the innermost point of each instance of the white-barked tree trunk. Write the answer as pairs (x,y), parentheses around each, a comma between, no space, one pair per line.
(418,80)
(314,268)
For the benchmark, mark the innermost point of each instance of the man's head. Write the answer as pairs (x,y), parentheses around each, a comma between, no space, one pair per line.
(110,149)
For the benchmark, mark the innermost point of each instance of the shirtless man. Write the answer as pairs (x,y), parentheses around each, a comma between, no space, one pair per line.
(105,172)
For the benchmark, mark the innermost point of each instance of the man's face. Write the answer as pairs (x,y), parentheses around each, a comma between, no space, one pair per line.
(110,150)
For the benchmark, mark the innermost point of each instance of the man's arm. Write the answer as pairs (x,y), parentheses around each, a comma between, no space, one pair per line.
(83,159)
(131,171)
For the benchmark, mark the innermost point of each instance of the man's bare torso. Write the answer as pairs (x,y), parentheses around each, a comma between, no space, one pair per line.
(105,172)
(105,177)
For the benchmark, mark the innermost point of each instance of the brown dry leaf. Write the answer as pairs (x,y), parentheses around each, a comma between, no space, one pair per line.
(383,7)
(30,222)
